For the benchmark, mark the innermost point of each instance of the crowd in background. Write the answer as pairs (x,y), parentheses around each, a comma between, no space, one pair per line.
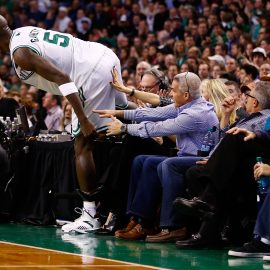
(227,40)
(172,35)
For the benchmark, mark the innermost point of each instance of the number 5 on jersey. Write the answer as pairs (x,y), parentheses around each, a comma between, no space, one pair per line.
(56,39)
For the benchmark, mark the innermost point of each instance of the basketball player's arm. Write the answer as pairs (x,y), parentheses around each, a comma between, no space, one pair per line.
(30,61)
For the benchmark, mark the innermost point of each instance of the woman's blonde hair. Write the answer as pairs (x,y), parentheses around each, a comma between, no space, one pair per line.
(217,92)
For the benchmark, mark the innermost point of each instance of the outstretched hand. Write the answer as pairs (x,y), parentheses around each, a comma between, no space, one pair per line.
(249,135)
(114,127)
(116,83)
(105,113)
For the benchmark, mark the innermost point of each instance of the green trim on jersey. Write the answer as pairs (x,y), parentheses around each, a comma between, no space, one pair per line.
(14,64)
(76,132)
(81,96)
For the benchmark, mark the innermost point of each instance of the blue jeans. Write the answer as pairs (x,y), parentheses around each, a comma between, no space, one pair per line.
(155,180)
(262,227)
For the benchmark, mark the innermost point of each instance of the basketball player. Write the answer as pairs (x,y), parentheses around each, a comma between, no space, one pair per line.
(81,71)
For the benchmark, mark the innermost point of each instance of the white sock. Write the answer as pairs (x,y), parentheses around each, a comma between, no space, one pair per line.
(265,241)
(90,207)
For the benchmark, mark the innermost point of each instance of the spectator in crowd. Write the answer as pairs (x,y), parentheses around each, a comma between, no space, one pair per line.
(231,66)
(264,70)
(65,124)
(172,71)
(238,97)
(162,121)
(140,69)
(54,112)
(216,60)
(248,74)
(258,57)
(215,91)
(220,178)
(260,245)
(216,72)
(62,20)
(204,71)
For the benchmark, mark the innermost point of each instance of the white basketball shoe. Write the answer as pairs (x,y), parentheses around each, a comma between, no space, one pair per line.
(84,224)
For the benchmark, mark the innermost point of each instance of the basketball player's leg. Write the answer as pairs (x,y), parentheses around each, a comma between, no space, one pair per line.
(85,165)
(86,175)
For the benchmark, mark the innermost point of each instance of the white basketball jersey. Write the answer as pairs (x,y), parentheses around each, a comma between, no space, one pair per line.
(89,65)
(69,54)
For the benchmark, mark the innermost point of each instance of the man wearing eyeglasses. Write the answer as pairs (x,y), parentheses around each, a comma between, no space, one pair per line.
(228,174)
(189,118)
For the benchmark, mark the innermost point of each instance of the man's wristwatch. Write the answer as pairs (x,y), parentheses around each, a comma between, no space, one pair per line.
(123,128)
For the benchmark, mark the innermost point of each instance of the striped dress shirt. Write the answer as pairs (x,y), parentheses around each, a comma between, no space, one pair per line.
(189,123)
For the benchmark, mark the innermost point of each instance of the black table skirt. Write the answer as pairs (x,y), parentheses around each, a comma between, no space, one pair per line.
(46,171)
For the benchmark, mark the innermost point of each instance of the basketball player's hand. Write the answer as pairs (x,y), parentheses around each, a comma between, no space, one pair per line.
(114,127)
(87,128)
(105,113)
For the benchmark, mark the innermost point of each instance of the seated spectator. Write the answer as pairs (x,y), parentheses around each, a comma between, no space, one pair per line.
(264,70)
(186,94)
(23,90)
(140,69)
(65,124)
(260,245)
(231,66)
(215,91)
(62,20)
(172,71)
(54,112)
(239,98)
(248,73)
(216,60)
(216,71)
(258,57)
(146,96)
(204,71)
(227,174)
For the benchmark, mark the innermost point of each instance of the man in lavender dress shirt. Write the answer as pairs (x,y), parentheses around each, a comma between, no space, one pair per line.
(188,118)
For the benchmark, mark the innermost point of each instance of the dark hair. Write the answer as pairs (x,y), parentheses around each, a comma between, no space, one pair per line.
(229,76)
(235,84)
(57,98)
(251,70)
(163,82)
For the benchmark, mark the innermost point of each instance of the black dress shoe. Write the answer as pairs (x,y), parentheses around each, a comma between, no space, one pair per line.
(197,241)
(93,196)
(194,207)
(111,225)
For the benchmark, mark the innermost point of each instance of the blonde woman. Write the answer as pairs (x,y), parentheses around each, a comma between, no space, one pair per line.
(215,91)
(180,52)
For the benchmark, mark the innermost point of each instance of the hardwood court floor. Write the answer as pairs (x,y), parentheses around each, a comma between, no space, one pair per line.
(63,251)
